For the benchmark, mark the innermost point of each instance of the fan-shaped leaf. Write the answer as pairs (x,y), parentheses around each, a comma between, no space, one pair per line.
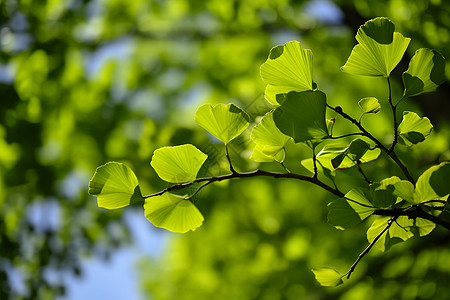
(380,49)
(370,105)
(268,138)
(173,213)
(355,151)
(225,122)
(288,68)
(302,116)
(178,164)
(433,183)
(328,277)
(115,186)
(413,129)
(426,72)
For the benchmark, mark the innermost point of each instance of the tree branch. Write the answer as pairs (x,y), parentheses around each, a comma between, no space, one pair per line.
(367,134)
(415,212)
(256,173)
(388,225)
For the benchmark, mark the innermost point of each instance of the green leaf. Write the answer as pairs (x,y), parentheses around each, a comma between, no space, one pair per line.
(433,183)
(225,122)
(413,129)
(288,68)
(382,196)
(302,116)
(263,153)
(355,151)
(369,105)
(425,73)
(173,213)
(398,232)
(402,188)
(328,277)
(115,186)
(178,164)
(379,51)
(344,214)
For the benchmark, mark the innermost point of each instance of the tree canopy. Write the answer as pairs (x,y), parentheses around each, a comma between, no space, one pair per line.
(87,82)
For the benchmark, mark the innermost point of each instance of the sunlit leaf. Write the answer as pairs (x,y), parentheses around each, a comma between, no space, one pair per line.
(380,49)
(401,228)
(413,129)
(344,214)
(424,227)
(369,105)
(433,184)
(377,226)
(266,154)
(288,68)
(402,188)
(425,73)
(355,151)
(173,213)
(302,116)
(178,164)
(115,186)
(328,277)
(268,138)
(225,122)
(382,196)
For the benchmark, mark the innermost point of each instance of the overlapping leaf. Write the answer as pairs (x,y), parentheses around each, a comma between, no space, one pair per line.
(173,213)
(178,164)
(302,116)
(433,184)
(355,151)
(380,49)
(425,73)
(288,68)
(115,186)
(413,129)
(225,122)
(268,138)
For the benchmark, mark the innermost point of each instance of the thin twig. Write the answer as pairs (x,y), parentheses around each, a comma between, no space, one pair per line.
(229,160)
(394,113)
(362,173)
(345,135)
(376,141)
(388,225)
(314,162)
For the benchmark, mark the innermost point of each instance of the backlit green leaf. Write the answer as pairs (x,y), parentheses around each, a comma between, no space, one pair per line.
(225,122)
(402,188)
(382,196)
(328,277)
(263,153)
(433,184)
(344,214)
(115,186)
(302,116)
(380,49)
(355,151)
(413,129)
(425,73)
(370,105)
(173,213)
(288,68)
(268,138)
(178,164)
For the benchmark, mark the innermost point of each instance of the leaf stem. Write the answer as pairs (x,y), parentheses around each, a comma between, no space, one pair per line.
(414,212)
(345,135)
(394,113)
(367,134)
(362,173)
(388,225)
(229,160)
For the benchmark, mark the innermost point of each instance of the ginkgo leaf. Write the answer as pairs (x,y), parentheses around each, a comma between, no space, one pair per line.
(178,164)
(288,68)
(355,151)
(268,138)
(425,73)
(173,213)
(344,214)
(263,153)
(402,188)
(225,122)
(302,116)
(369,105)
(433,183)
(328,277)
(379,51)
(413,129)
(115,186)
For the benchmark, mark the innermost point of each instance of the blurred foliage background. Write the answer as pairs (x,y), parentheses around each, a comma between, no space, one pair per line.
(85,82)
